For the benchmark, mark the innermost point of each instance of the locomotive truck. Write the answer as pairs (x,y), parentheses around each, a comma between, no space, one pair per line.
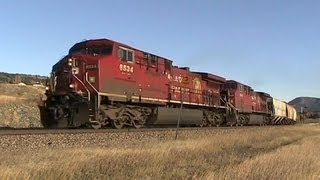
(102,82)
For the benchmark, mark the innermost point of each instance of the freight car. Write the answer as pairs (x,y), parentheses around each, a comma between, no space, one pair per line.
(283,113)
(103,82)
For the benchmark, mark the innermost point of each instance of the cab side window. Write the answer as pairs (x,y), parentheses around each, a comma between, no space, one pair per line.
(167,65)
(241,88)
(125,54)
(150,59)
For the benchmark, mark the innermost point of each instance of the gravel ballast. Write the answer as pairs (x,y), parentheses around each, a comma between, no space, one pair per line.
(111,139)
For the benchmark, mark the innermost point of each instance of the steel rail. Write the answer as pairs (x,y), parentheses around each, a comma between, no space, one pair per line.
(34,131)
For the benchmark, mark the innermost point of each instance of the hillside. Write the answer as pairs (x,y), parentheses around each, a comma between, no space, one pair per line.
(311,106)
(18,105)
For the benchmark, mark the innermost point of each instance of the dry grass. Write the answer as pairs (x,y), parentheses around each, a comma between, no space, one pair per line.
(289,152)
(12,93)
(18,105)
(297,161)
(5,99)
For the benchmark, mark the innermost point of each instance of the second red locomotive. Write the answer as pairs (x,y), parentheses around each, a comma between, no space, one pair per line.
(102,82)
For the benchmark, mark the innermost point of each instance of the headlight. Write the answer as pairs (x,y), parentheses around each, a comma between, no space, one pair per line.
(70,60)
(71,86)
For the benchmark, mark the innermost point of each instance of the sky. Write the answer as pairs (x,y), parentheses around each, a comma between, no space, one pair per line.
(270,45)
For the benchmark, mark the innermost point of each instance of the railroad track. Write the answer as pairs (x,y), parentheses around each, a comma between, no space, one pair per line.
(32,131)
(26,131)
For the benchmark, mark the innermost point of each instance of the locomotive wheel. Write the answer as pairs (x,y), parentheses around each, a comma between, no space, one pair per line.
(137,125)
(117,124)
(96,126)
(203,123)
(100,122)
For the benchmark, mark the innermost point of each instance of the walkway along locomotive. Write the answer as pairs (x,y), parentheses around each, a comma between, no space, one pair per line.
(103,82)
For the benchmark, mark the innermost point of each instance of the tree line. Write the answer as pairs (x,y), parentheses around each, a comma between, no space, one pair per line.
(22,78)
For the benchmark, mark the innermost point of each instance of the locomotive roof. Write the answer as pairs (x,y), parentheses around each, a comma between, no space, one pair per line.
(263,93)
(91,42)
(211,77)
(233,81)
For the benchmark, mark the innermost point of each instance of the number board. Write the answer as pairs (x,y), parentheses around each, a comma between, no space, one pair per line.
(126,68)
(91,66)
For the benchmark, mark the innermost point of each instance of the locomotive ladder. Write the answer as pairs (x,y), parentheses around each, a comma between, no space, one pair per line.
(228,104)
(93,99)
(231,110)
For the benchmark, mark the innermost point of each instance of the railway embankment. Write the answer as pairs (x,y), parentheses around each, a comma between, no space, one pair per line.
(272,152)
(18,105)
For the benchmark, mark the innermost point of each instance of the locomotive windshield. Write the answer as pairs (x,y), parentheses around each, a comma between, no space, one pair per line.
(92,50)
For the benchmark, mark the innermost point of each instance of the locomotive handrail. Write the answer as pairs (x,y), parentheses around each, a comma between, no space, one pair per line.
(87,81)
(91,84)
(82,85)
(228,103)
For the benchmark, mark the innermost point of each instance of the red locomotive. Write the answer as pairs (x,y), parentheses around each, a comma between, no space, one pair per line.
(102,82)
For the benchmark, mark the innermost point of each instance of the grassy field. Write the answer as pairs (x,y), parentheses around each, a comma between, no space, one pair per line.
(18,105)
(286,152)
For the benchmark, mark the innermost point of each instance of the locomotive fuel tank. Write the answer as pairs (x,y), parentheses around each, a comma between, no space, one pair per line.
(170,116)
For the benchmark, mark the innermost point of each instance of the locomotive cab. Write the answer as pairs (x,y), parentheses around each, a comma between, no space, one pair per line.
(72,86)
